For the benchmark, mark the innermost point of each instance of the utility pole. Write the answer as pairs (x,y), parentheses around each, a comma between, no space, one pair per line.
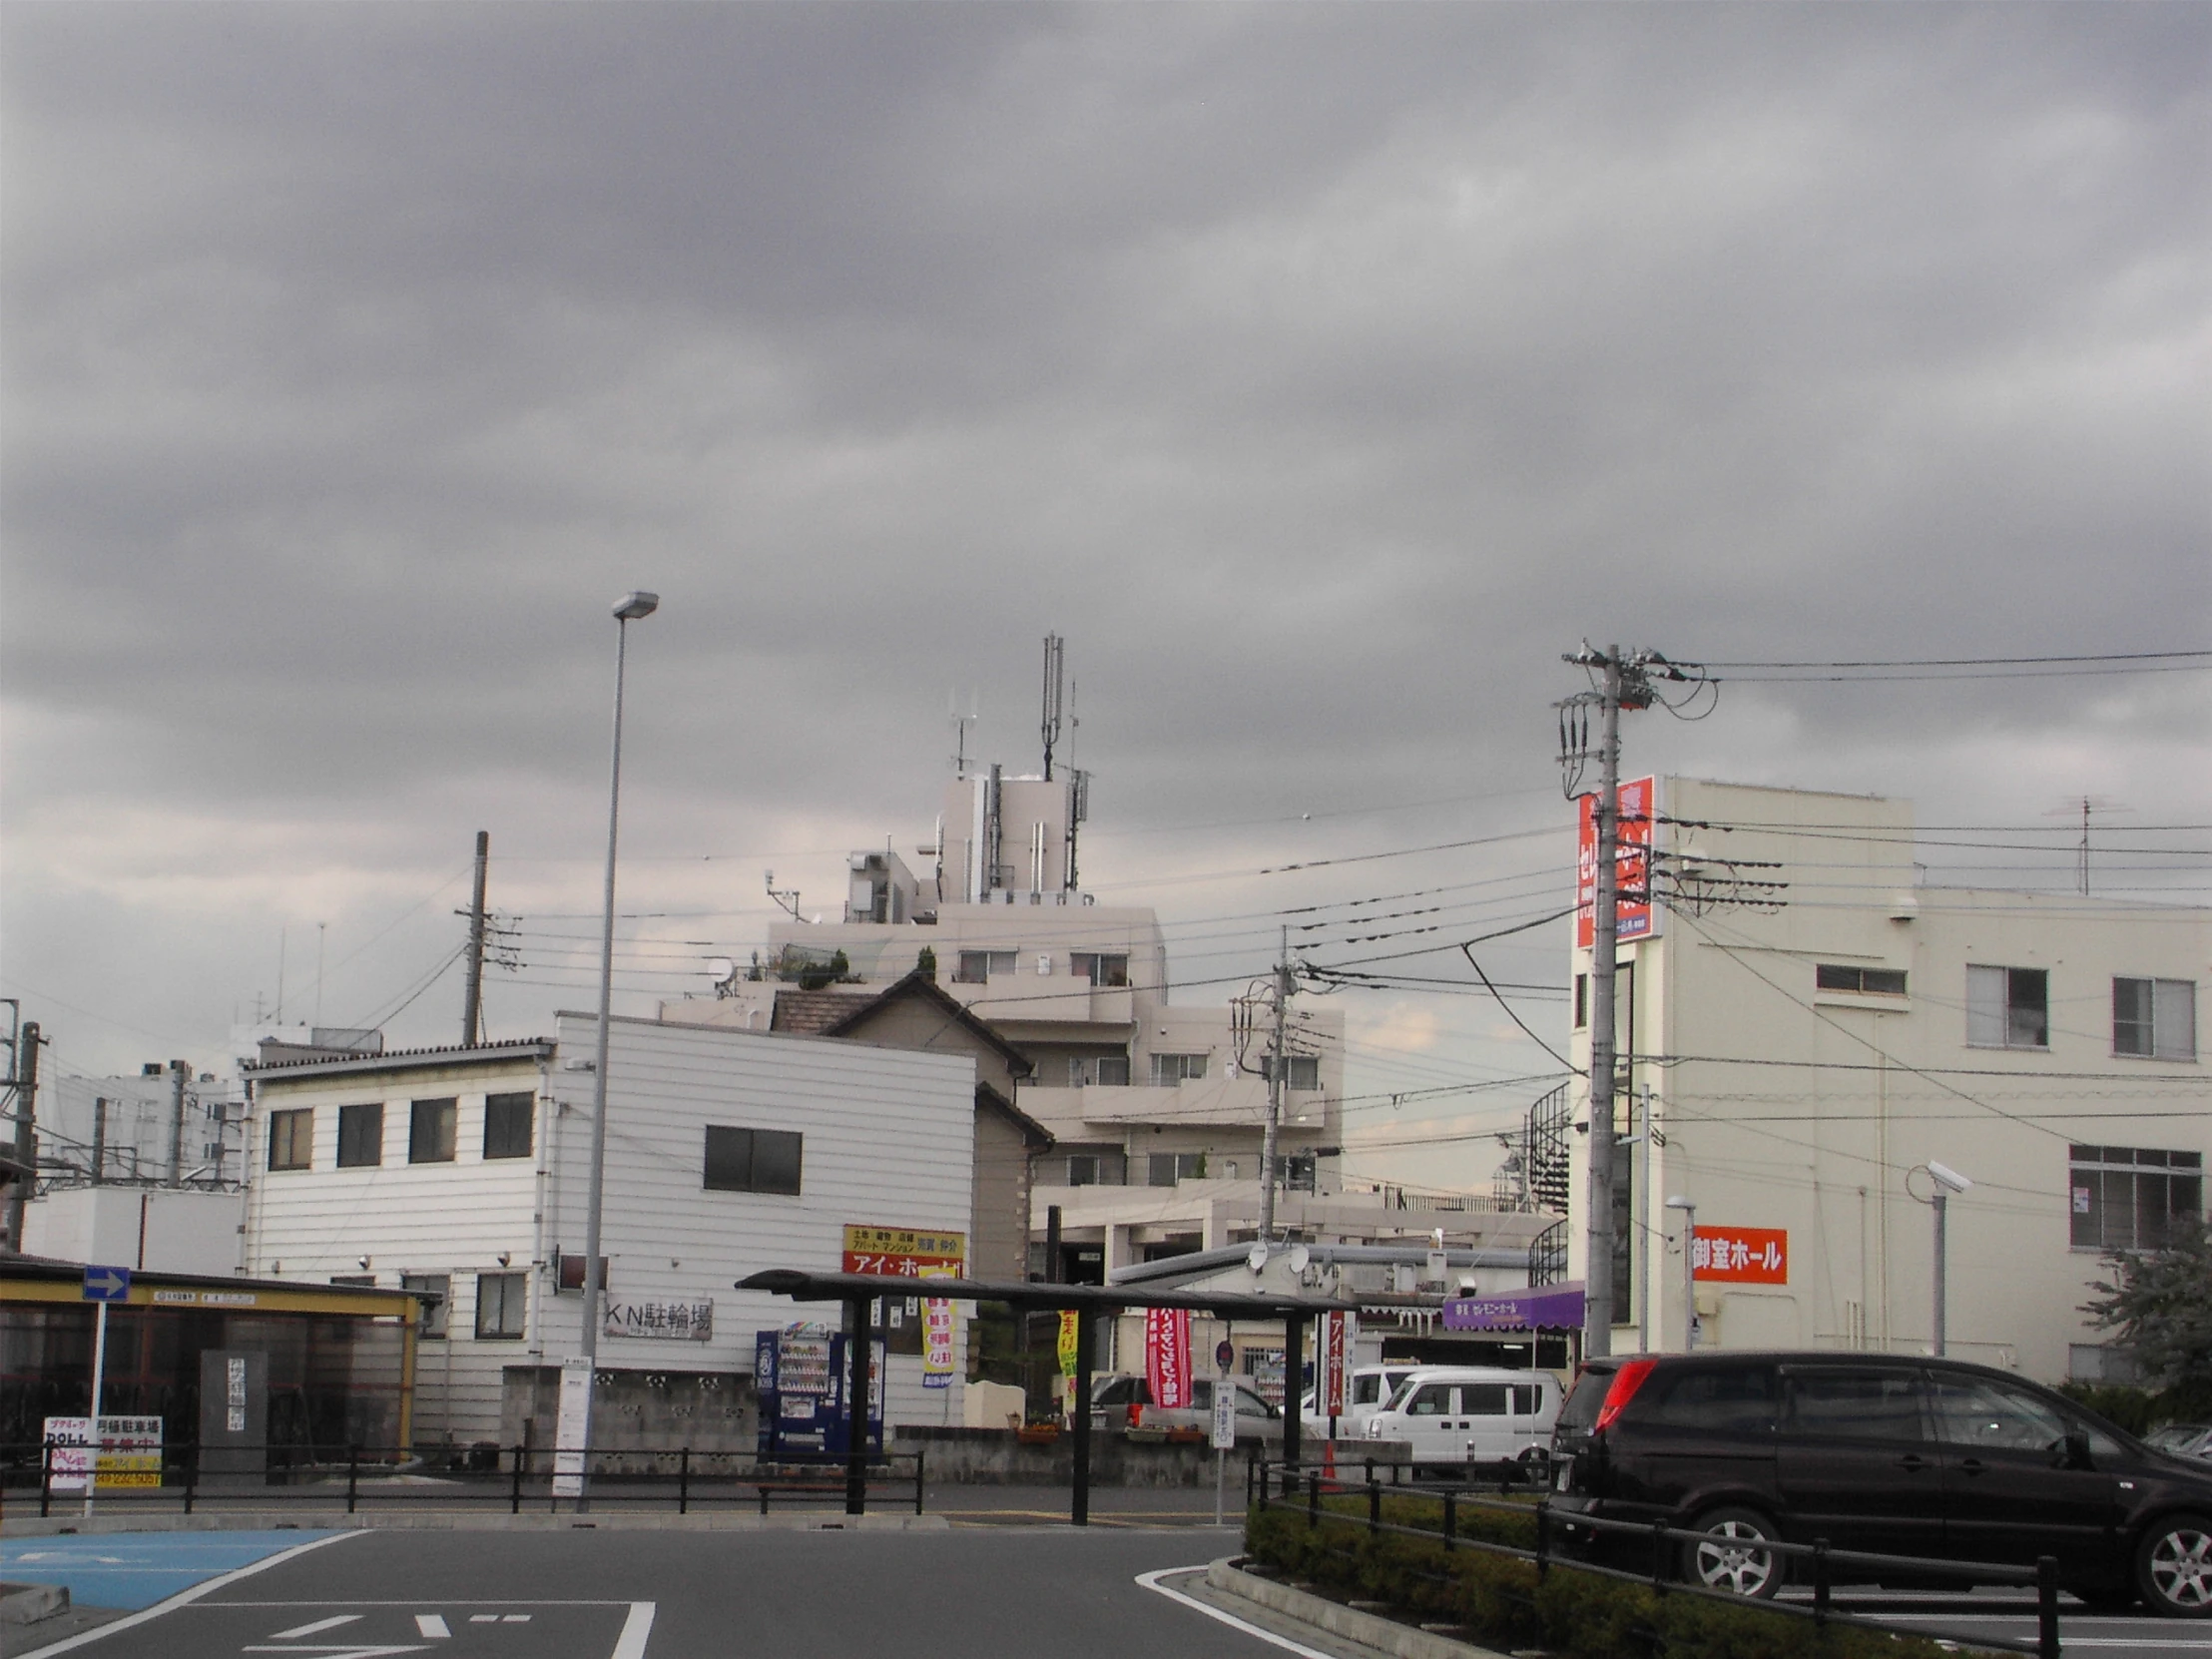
(26,1129)
(472,995)
(1276,1069)
(179,1073)
(1624,680)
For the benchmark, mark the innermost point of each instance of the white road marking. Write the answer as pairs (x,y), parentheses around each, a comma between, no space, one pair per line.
(1152,1581)
(314,1629)
(514,1618)
(639,1625)
(431,1624)
(338,1650)
(186,1597)
(483,1619)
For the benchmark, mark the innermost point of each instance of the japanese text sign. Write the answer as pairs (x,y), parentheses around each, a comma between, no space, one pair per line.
(1639,803)
(1167,1357)
(1741,1255)
(903,1252)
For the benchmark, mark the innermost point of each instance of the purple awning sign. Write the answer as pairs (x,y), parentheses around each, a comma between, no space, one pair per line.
(1546,1307)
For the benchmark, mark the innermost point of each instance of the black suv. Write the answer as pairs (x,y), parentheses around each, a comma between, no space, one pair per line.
(1888,1454)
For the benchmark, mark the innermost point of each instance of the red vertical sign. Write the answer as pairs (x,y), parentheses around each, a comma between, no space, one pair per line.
(1167,1357)
(1336,1365)
(1631,864)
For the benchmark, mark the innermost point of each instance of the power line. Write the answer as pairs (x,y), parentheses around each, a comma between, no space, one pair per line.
(1980,662)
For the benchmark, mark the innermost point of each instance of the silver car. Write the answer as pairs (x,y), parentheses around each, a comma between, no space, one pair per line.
(1126,1402)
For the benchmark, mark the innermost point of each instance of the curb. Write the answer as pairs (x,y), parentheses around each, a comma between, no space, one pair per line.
(28,1603)
(601,1520)
(1402,1641)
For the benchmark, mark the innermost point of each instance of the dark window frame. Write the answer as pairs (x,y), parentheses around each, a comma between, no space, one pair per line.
(292,1138)
(1855,980)
(434,1130)
(500,1113)
(760,1161)
(351,1139)
(2150,1185)
(512,1304)
(2139,1032)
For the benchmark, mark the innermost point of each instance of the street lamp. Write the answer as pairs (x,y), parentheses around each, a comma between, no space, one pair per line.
(1942,1182)
(631,607)
(1688,1207)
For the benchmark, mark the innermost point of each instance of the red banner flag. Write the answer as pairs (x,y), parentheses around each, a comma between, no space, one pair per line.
(1167,1357)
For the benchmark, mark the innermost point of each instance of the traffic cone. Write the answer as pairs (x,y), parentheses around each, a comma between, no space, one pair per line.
(1329,1462)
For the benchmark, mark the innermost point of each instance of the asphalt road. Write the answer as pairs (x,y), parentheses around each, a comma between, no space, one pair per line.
(1043,1593)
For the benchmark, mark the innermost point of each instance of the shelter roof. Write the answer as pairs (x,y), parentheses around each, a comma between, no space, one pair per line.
(1036,1292)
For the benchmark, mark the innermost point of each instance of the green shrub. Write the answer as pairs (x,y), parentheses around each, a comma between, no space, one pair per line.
(1504,1603)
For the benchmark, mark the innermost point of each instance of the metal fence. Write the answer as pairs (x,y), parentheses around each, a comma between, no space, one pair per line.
(513,1479)
(1295,1487)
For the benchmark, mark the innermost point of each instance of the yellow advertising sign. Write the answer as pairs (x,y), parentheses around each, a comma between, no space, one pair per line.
(903,1252)
(1068,1342)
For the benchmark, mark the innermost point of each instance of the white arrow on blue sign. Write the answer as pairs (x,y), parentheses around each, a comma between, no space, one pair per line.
(107,1283)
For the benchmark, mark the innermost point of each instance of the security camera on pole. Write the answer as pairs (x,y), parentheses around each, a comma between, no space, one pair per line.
(1943,1181)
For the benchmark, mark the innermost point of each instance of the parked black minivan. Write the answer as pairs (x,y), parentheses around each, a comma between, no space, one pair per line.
(1884,1453)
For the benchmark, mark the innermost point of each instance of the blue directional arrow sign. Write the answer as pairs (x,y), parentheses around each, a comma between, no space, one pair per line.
(107,1283)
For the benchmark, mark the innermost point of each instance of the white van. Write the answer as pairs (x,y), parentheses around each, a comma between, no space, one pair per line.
(1456,1416)
(1366,1390)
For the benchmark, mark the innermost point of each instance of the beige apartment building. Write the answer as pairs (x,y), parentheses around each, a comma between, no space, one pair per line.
(1812,1025)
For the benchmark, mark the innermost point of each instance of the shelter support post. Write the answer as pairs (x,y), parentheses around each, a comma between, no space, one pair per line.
(1294,1368)
(1079,1503)
(858,1351)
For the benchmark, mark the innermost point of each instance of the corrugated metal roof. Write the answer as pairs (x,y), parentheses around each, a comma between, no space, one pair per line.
(405,1059)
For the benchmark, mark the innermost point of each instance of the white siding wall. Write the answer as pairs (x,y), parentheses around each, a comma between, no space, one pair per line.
(456,1219)
(889,1141)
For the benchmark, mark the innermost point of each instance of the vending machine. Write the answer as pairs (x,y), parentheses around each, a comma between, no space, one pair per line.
(800,1372)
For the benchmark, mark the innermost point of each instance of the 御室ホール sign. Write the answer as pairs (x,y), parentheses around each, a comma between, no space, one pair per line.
(1741,1255)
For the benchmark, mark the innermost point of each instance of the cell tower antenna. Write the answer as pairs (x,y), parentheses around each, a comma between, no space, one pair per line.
(1054,678)
(960,724)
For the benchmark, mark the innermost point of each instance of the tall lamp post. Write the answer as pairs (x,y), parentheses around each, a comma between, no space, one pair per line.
(633,607)
(1943,1181)
(1688,1207)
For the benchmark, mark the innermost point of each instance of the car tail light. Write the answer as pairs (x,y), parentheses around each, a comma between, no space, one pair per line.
(1136,1413)
(1625,1382)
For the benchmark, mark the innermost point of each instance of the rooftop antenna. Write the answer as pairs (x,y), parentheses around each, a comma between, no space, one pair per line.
(787,898)
(960,724)
(1053,646)
(2085,805)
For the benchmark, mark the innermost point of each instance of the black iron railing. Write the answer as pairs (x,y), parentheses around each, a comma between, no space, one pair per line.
(1301,1489)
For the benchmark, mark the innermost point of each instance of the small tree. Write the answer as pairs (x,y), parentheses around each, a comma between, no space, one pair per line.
(2160,1302)
(925,964)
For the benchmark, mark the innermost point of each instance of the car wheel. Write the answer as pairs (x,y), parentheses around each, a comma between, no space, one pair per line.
(1729,1557)
(2174,1566)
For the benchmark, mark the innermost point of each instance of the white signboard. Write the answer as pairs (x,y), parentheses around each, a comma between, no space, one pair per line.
(130,1453)
(572,1430)
(1225,1415)
(691,1322)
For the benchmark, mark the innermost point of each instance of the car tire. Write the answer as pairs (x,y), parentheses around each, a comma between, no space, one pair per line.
(1728,1560)
(2174,1566)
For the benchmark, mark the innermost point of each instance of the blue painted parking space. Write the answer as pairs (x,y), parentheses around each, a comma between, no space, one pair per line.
(129,1570)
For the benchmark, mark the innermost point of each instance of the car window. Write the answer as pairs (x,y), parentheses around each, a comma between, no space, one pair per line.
(1988,1415)
(1117,1393)
(1721,1399)
(1253,1405)
(1367,1388)
(1580,1411)
(1528,1400)
(1485,1400)
(1430,1399)
(1857,1405)
(1202,1394)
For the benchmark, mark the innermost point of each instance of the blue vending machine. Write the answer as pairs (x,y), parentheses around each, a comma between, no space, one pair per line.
(800,1372)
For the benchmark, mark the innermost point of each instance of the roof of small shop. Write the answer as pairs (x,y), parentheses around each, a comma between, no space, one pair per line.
(1036,1292)
(404,1059)
(37,1275)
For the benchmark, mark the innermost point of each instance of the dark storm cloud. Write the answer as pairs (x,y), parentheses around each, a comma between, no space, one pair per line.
(1321,371)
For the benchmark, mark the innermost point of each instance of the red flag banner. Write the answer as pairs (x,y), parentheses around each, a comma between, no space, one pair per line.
(1167,1357)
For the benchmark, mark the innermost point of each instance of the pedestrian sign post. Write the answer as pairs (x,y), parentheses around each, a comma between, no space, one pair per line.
(102,1285)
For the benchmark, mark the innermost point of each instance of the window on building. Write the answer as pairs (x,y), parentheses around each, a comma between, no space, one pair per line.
(568,1274)
(979,966)
(361,1135)
(1164,1169)
(2155,1018)
(292,1139)
(1109,1070)
(507,1123)
(355,1281)
(1101,970)
(1298,1171)
(2127,1197)
(1097,1169)
(430,1131)
(1581,1001)
(2007,1007)
(500,1300)
(1177,1068)
(1859,981)
(753,1160)
(440,1286)
(1300,1071)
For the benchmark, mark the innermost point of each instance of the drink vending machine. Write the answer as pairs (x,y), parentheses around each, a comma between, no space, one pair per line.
(800,1372)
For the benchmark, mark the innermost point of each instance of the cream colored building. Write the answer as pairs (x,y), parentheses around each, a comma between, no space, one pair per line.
(1815,1025)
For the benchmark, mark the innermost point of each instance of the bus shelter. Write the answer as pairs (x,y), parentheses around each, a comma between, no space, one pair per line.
(859,1291)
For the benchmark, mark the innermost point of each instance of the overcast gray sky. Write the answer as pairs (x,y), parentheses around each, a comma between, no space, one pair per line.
(1321,372)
